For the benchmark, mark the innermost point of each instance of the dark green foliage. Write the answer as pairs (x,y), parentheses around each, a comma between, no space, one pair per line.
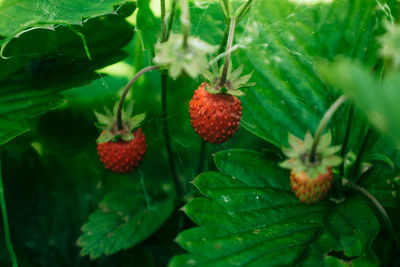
(65,209)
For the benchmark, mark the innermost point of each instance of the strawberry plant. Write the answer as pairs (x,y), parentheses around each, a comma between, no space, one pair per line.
(234,133)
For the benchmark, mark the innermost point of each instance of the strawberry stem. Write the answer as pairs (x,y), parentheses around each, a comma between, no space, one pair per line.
(171,18)
(178,186)
(185,21)
(163,22)
(228,53)
(378,205)
(126,90)
(327,116)
(242,10)
(7,236)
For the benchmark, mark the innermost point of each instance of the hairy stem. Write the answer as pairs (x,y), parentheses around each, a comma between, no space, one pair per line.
(5,224)
(378,206)
(171,18)
(322,124)
(185,21)
(126,90)
(224,39)
(228,52)
(178,186)
(163,22)
(242,11)
(226,8)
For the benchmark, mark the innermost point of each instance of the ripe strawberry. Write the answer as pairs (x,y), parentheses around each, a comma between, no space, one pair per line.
(214,109)
(123,156)
(121,150)
(215,117)
(310,181)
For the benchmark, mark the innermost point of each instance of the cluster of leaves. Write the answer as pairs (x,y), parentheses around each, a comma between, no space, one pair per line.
(245,212)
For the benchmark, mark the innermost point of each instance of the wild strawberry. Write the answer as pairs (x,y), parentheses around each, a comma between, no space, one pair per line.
(121,150)
(215,117)
(310,180)
(214,109)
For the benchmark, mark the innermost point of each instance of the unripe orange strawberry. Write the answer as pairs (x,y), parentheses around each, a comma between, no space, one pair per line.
(215,117)
(121,150)
(310,190)
(310,180)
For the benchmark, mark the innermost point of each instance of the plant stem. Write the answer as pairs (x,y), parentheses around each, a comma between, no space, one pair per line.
(360,155)
(178,186)
(322,124)
(171,18)
(242,11)
(346,139)
(203,146)
(163,23)
(5,224)
(228,53)
(223,40)
(202,156)
(226,8)
(377,204)
(126,90)
(185,21)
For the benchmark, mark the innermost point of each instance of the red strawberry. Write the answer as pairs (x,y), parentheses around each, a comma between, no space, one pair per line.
(123,156)
(310,181)
(215,110)
(121,150)
(215,117)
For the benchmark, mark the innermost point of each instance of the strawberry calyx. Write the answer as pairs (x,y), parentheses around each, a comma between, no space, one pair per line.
(299,155)
(232,83)
(108,124)
(189,59)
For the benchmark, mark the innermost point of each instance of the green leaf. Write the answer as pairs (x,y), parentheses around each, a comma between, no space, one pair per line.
(41,63)
(282,42)
(10,129)
(148,26)
(380,181)
(124,219)
(381,158)
(16,16)
(250,217)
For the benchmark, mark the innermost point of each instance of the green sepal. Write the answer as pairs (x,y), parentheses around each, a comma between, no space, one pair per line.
(127,113)
(135,121)
(127,137)
(108,112)
(233,80)
(108,124)
(103,119)
(235,92)
(104,137)
(191,59)
(299,151)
